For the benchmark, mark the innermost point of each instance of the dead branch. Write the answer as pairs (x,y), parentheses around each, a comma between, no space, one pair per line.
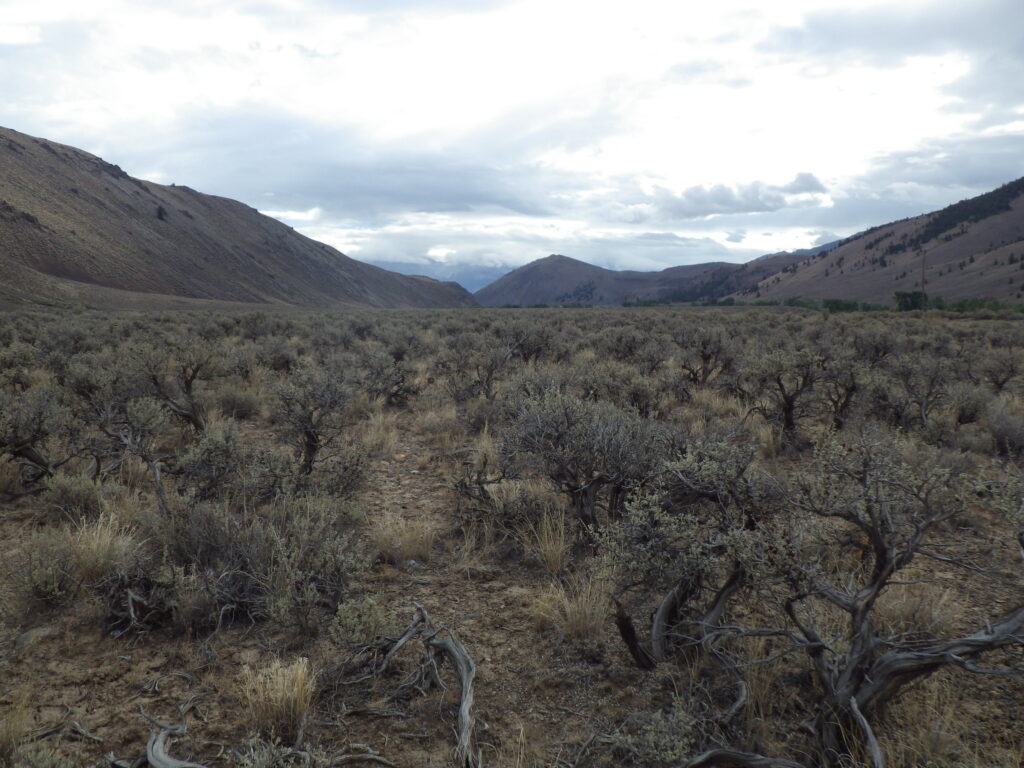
(466,671)
(731,758)
(877,760)
(156,748)
(438,644)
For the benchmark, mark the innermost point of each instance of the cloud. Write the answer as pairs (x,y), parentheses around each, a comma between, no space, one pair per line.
(430,132)
(755,197)
(985,31)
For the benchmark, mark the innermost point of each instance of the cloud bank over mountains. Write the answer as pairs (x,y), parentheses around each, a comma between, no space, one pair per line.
(460,137)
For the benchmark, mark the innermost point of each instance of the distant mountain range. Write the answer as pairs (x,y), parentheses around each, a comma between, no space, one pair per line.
(972,249)
(75,230)
(559,280)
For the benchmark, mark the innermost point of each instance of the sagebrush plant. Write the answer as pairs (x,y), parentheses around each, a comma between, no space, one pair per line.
(46,576)
(279,697)
(728,484)
(357,621)
(658,740)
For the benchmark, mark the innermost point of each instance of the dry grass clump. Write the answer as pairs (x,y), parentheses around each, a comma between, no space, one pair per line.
(380,434)
(398,540)
(239,403)
(930,728)
(769,438)
(713,404)
(101,547)
(279,698)
(548,540)
(14,727)
(924,610)
(577,608)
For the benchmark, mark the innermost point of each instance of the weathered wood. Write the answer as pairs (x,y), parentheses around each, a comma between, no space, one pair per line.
(731,758)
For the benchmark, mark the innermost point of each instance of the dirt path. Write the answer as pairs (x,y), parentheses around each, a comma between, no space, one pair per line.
(537,698)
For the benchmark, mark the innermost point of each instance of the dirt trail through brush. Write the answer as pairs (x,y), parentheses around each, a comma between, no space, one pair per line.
(532,696)
(536,697)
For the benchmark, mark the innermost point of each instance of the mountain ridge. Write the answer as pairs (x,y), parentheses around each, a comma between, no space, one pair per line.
(75,228)
(970,249)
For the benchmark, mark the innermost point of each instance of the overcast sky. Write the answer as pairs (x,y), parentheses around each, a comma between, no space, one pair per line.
(453,134)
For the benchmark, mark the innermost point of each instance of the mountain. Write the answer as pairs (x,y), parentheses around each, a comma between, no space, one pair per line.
(470,276)
(76,229)
(559,280)
(971,249)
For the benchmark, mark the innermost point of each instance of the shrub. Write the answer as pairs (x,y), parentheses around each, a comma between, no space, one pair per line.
(72,497)
(290,561)
(46,576)
(357,622)
(241,404)
(1005,424)
(589,450)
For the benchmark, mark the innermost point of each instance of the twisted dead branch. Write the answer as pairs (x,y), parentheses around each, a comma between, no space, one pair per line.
(439,644)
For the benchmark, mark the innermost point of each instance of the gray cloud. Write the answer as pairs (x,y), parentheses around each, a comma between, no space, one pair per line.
(988,32)
(756,197)
(275,161)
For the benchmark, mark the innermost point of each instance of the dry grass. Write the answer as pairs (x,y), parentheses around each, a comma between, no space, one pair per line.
(134,474)
(100,547)
(380,434)
(922,610)
(10,477)
(769,438)
(398,540)
(714,405)
(928,726)
(548,540)
(279,698)
(578,608)
(474,554)
(14,727)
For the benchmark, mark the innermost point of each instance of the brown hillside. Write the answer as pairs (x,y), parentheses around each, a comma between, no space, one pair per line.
(74,228)
(972,249)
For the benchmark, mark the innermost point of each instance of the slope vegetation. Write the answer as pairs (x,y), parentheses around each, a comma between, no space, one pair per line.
(76,229)
(972,249)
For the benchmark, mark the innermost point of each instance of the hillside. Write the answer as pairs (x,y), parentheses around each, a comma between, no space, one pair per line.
(76,229)
(972,249)
(558,280)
